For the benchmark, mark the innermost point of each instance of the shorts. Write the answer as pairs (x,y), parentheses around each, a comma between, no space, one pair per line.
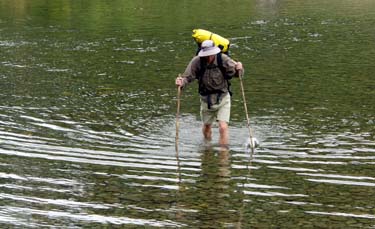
(217,112)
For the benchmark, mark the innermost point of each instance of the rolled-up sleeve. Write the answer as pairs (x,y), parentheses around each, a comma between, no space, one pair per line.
(230,66)
(191,71)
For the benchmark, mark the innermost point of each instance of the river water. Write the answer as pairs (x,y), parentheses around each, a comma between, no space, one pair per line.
(88,105)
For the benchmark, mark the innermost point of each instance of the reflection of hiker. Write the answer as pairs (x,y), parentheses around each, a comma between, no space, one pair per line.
(216,191)
(213,70)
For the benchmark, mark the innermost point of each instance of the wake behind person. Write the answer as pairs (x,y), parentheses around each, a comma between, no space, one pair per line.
(213,70)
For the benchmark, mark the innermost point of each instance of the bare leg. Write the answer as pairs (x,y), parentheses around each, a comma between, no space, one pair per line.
(224,133)
(207,132)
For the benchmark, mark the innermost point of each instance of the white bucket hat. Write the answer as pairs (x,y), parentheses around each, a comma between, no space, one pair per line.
(208,48)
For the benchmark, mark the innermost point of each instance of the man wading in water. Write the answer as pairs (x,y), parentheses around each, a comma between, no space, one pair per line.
(213,70)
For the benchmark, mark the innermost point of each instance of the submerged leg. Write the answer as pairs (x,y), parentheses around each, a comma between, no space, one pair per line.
(207,132)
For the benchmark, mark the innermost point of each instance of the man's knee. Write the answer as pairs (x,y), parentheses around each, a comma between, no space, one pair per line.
(206,127)
(223,126)
(207,133)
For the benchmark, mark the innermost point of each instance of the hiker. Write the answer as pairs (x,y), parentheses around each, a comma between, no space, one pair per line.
(213,70)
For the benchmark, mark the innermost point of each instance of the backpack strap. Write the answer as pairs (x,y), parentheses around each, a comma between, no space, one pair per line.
(224,71)
(202,70)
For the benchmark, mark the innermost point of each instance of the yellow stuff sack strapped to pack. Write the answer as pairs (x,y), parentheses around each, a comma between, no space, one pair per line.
(201,35)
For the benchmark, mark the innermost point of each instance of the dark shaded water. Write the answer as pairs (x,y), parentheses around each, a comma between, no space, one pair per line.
(88,103)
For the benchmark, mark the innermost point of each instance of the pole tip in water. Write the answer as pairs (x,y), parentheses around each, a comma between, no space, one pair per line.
(252,142)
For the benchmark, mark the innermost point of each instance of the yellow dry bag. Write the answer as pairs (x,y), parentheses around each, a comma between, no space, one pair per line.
(201,35)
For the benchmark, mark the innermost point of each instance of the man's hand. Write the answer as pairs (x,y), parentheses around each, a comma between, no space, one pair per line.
(239,69)
(239,66)
(179,81)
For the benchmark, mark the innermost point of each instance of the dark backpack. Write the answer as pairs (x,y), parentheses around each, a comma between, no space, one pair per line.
(202,70)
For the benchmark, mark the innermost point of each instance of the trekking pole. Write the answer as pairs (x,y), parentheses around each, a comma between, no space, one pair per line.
(176,142)
(177,117)
(252,141)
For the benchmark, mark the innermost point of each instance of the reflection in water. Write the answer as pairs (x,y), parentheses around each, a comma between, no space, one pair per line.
(213,195)
(101,176)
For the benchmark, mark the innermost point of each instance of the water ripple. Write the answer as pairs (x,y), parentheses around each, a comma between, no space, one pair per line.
(367,216)
(368,184)
(93,218)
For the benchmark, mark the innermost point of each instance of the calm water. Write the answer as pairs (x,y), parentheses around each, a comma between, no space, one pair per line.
(88,104)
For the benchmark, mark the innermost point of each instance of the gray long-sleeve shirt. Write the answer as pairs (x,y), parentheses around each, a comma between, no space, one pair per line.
(212,79)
